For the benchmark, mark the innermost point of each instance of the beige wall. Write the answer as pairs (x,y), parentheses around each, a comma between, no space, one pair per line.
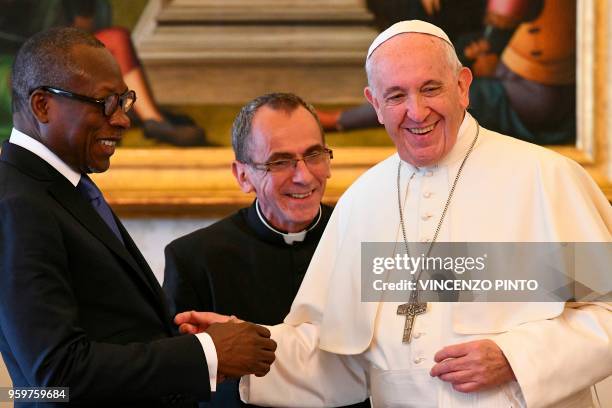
(5,381)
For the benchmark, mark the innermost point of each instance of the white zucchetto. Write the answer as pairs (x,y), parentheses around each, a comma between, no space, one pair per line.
(409,26)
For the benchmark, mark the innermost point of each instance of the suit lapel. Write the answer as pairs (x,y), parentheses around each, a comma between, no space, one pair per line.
(74,203)
(69,198)
(148,274)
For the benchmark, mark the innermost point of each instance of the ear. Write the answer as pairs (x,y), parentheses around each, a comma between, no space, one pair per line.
(39,105)
(369,94)
(242,175)
(464,80)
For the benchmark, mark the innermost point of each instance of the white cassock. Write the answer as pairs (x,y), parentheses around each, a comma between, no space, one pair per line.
(334,349)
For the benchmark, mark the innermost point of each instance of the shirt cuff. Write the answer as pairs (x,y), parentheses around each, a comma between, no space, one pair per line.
(211,358)
(243,388)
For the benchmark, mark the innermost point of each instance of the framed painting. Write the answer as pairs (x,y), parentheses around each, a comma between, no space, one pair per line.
(198,181)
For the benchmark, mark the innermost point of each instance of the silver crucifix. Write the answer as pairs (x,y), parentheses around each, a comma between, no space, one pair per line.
(410,310)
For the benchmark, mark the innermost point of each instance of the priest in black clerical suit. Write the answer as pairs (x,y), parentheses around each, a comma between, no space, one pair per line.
(242,266)
(251,264)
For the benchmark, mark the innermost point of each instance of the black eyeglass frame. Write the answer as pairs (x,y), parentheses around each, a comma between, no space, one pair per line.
(294,161)
(106,103)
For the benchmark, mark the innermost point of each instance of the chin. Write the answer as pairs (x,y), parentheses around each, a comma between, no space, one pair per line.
(302,217)
(425,162)
(98,167)
(426,158)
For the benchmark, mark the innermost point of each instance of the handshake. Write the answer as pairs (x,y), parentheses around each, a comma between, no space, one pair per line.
(242,347)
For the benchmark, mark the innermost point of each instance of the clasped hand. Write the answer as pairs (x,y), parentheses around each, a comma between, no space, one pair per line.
(242,347)
(472,366)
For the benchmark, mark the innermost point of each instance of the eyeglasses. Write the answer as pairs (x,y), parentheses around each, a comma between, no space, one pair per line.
(315,160)
(108,104)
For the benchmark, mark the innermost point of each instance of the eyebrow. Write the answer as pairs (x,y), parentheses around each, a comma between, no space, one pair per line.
(433,82)
(287,155)
(107,90)
(391,90)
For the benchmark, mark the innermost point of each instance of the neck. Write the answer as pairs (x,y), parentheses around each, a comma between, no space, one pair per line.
(26,125)
(285,234)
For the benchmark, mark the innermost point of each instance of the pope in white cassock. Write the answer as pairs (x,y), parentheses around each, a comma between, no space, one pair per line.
(334,349)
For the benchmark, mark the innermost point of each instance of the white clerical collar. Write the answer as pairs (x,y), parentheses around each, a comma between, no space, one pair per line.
(34,146)
(289,237)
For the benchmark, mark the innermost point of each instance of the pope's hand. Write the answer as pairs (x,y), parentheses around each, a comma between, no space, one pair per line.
(193,322)
(242,348)
(473,366)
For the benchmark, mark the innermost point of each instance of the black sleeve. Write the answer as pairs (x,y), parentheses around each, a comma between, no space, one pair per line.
(185,283)
(39,321)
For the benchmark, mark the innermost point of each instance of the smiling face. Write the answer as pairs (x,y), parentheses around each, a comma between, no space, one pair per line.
(418,95)
(79,132)
(288,199)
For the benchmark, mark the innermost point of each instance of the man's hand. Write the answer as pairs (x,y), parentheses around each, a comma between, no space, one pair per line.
(473,366)
(193,322)
(242,348)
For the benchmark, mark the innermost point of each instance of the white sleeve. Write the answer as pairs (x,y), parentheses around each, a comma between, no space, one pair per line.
(211,358)
(304,375)
(568,353)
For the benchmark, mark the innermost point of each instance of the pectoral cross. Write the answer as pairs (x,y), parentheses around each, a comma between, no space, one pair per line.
(410,310)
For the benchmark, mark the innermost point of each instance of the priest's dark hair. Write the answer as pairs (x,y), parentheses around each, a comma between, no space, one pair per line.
(241,129)
(45,59)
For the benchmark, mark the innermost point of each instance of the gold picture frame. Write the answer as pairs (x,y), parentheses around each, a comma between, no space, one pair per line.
(198,181)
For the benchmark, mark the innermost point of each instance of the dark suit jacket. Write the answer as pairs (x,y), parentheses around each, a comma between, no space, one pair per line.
(78,309)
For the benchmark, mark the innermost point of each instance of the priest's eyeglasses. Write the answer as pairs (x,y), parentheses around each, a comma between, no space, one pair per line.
(109,104)
(314,160)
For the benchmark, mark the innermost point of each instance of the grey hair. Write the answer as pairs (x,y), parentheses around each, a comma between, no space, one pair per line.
(241,129)
(449,52)
(45,59)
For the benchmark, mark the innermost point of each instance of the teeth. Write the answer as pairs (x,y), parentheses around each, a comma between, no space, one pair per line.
(111,143)
(420,131)
(301,195)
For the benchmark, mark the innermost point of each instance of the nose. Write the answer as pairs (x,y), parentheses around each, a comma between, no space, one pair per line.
(417,109)
(301,173)
(120,119)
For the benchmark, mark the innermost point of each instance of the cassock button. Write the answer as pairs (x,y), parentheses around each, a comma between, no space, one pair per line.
(428,173)
(418,360)
(425,217)
(416,335)
(427,194)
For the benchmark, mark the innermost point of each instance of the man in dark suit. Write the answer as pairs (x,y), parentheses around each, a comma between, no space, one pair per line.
(80,306)
(251,264)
